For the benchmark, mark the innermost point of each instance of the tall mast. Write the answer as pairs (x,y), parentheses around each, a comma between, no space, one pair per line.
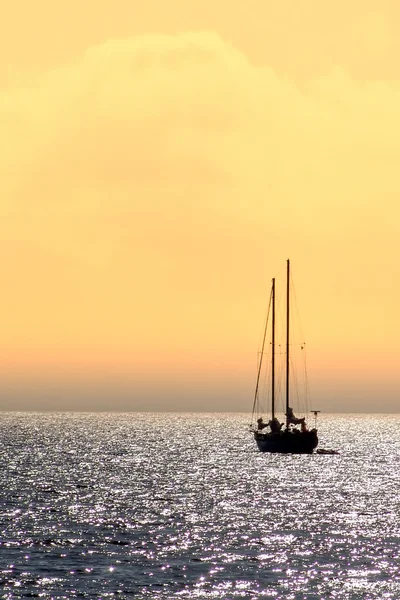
(273,352)
(287,339)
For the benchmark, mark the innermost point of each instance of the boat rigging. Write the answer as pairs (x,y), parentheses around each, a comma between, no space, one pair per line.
(274,436)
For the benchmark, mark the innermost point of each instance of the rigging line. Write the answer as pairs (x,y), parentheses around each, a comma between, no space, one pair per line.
(307,384)
(299,396)
(263,396)
(300,330)
(295,380)
(304,375)
(261,357)
(280,384)
(264,390)
(299,367)
(296,307)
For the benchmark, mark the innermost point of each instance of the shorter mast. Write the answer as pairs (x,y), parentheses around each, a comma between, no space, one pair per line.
(287,339)
(273,352)
(271,299)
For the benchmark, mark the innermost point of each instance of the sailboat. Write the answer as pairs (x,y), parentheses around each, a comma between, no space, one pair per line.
(276,437)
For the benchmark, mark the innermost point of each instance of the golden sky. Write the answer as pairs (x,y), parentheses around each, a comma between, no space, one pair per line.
(159,163)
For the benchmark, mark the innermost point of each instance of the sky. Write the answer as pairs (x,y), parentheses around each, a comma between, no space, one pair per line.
(159,162)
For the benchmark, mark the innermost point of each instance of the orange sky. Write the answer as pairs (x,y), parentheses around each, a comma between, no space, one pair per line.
(159,163)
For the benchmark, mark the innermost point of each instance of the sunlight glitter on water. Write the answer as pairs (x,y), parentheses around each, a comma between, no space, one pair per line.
(163,506)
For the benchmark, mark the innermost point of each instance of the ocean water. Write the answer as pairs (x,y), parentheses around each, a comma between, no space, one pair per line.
(184,506)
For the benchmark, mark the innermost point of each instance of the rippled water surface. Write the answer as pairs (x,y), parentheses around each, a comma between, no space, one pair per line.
(184,506)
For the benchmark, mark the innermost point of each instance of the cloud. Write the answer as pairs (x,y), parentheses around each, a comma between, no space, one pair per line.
(145,185)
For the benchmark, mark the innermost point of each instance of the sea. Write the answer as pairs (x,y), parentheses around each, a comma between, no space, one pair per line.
(165,506)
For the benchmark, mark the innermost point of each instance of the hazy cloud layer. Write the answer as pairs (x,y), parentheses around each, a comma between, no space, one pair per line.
(152,187)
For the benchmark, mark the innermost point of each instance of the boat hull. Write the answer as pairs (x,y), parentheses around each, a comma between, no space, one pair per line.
(287,442)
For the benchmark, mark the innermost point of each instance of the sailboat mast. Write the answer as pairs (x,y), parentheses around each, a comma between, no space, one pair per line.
(272,299)
(287,339)
(273,352)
